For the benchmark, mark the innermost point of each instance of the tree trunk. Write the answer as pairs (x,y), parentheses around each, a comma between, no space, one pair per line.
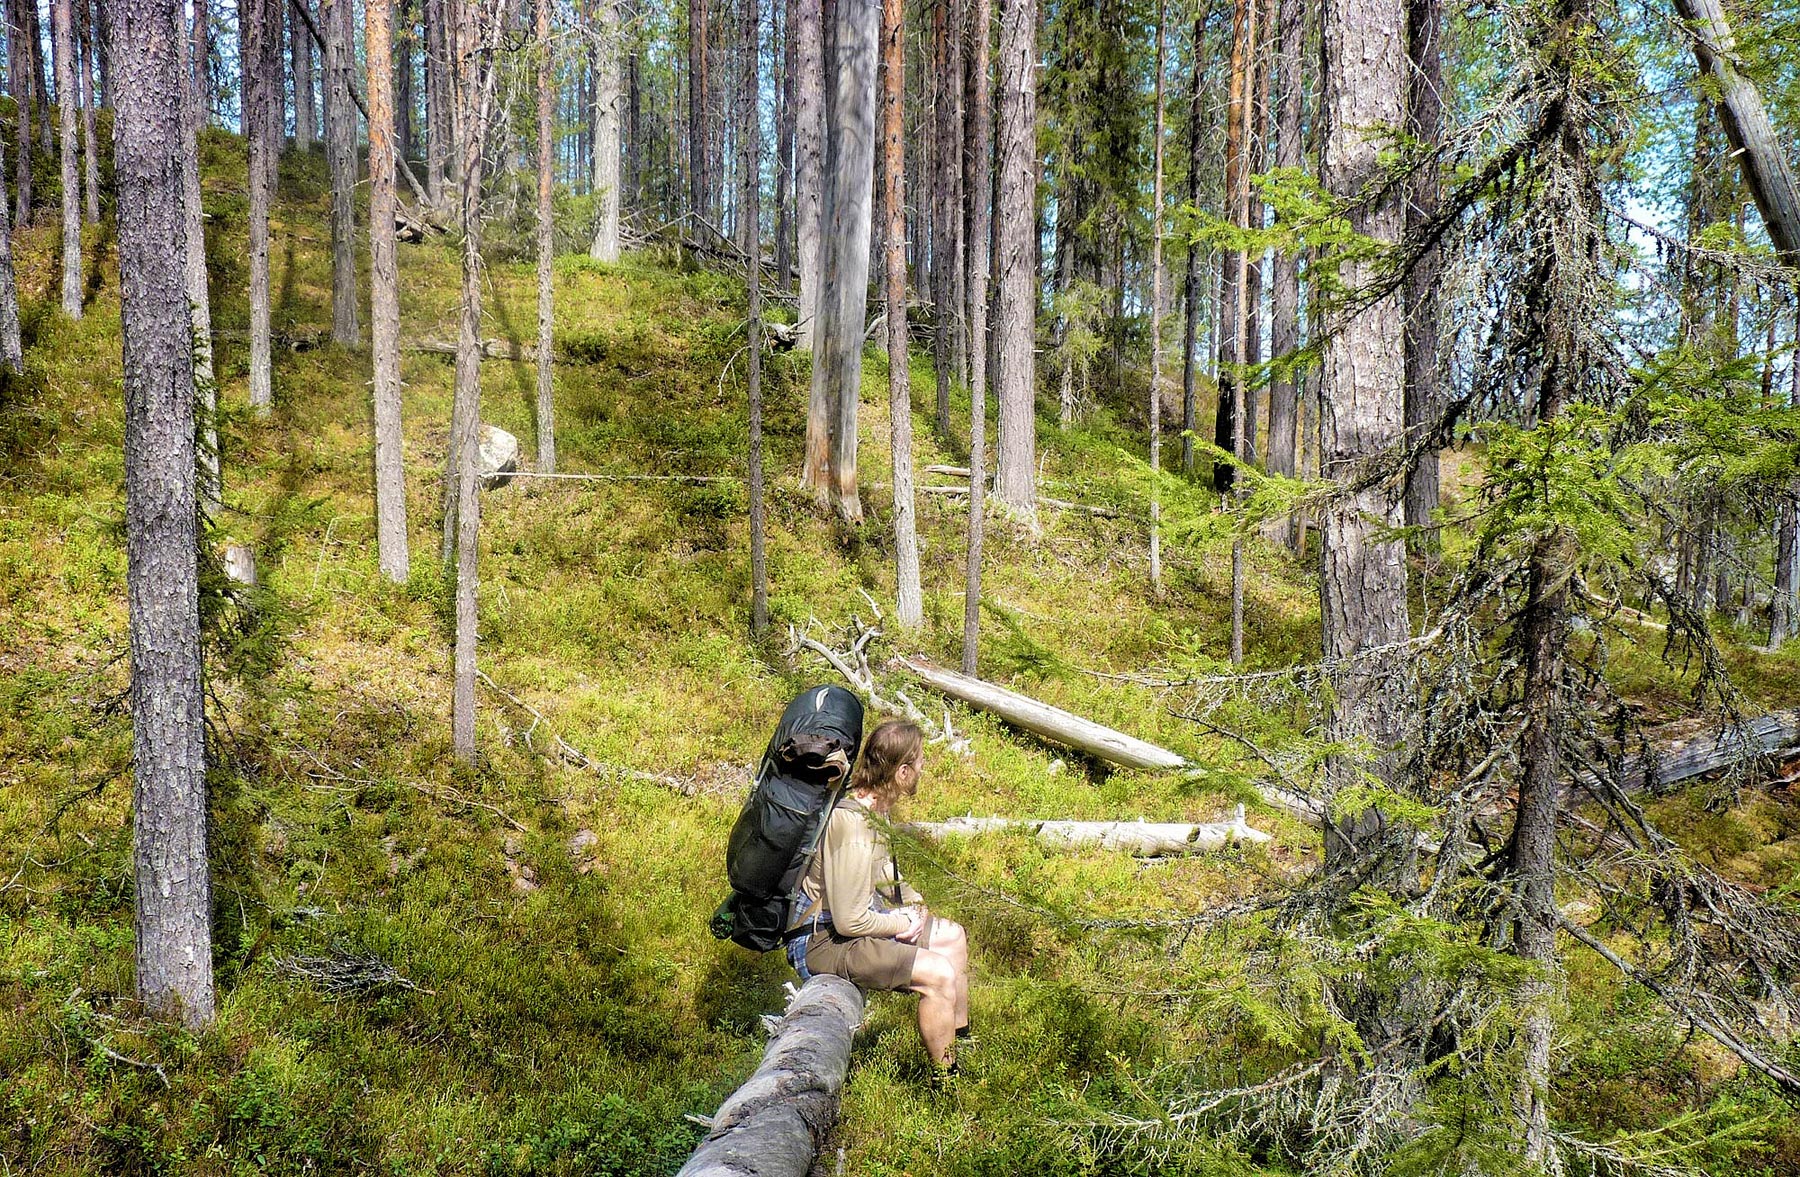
(699,81)
(300,66)
(40,80)
(911,611)
(943,248)
(1231,262)
(1753,137)
(750,204)
(1784,606)
(1284,328)
(340,155)
(606,131)
(846,215)
(63,26)
(202,79)
(403,38)
(809,177)
(1192,291)
(1425,104)
(546,225)
(1143,838)
(438,100)
(977,187)
(784,154)
(198,293)
(384,298)
(1015,466)
(477,30)
(172,891)
(11,352)
(1156,318)
(18,79)
(1363,590)
(84,87)
(253,32)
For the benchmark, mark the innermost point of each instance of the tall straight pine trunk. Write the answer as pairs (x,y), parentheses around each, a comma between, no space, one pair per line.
(809,175)
(198,294)
(978,183)
(1284,293)
(253,32)
(750,203)
(11,352)
(384,297)
(911,610)
(1015,464)
(172,891)
(300,65)
(1425,105)
(606,130)
(63,27)
(546,234)
(340,156)
(1156,318)
(84,87)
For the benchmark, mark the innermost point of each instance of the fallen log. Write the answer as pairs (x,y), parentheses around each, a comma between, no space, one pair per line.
(492,349)
(1146,839)
(1676,760)
(772,1125)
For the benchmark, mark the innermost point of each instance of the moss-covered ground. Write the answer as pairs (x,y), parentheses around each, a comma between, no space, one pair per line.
(563,1008)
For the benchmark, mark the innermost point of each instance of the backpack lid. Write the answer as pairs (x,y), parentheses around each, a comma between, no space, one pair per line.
(818,734)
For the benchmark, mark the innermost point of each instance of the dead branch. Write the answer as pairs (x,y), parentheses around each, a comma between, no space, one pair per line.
(852,663)
(1141,838)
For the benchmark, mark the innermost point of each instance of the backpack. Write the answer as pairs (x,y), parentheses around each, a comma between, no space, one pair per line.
(803,772)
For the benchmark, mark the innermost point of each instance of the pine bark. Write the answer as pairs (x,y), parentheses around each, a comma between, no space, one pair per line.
(172,887)
(546,229)
(846,217)
(301,66)
(943,247)
(1424,122)
(18,75)
(606,130)
(340,156)
(1192,290)
(202,79)
(438,100)
(1231,262)
(911,610)
(750,201)
(1015,463)
(1363,589)
(1284,327)
(809,175)
(1784,607)
(198,293)
(784,154)
(700,182)
(978,186)
(11,352)
(84,87)
(63,41)
(384,298)
(403,39)
(40,80)
(1156,319)
(253,32)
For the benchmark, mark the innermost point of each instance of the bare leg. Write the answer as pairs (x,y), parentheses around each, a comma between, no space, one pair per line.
(934,980)
(950,941)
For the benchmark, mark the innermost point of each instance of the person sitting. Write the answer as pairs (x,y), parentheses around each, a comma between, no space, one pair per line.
(861,921)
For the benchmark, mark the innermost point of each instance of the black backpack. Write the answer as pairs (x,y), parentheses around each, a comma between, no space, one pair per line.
(803,772)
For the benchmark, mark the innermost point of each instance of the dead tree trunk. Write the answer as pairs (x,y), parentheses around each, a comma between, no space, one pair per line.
(699,84)
(1363,590)
(1784,607)
(438,100)
(384,299)
(1144,839)
(18,65)
(173,921)
(784,153)
(1015,463)
(63,26)
(978,172)
(253,32)
(606,130)
(84,88)
(11,352)
(846,216)
(340,155)
(1191,291)
(911,607)
(300,65)
(772,1125)
(809,177)
(546,225)
(477,30)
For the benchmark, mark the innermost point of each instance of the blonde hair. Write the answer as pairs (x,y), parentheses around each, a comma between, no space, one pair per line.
(893,743)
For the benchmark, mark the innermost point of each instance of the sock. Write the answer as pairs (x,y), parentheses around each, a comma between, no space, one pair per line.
(965,1031)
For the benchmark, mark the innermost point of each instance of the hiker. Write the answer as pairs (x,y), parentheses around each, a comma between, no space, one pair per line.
(862,921)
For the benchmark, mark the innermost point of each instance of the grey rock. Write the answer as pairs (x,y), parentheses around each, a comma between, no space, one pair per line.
(498,457)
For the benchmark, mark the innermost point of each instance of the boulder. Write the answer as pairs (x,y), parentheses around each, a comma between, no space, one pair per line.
(497,459)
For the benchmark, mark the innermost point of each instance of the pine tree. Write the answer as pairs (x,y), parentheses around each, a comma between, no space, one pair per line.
(546,229)
(253,51)
(606,130)
(1015,462)
(63,24)
(978,182)
(384,298)
(910,613)
(340,156)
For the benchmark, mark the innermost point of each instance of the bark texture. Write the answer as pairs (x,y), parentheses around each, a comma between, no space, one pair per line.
(750,200)
(1784,607)
(978,171)
(11,353)
(1154,409)
(1146,839)
(300,65)
(1015,463)
(340,156)
(63,37)
(438,100)
(846,215)
(84,88)
(1284,326)
(772,1125)
(809,177)
(18,83)
(1363,589)
(384,298)
(546,228)
(910,613)
(699,85)
(199,297)
(253,34)
(1424,122)
(606,130)
(172,889)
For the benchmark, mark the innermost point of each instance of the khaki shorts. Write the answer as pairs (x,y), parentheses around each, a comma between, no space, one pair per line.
(868,962)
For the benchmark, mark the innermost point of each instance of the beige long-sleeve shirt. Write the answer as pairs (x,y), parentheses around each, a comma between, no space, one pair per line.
(854,868)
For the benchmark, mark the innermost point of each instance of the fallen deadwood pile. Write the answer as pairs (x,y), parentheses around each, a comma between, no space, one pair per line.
(772,1125)
(1143,838)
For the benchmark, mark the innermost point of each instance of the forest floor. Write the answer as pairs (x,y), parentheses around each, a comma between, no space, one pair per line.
(430,970)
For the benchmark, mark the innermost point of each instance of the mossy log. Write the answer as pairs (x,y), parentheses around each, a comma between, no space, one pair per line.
(773,1125)
(1145,839)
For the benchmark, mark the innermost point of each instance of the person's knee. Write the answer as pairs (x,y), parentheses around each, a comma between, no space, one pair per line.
(950,939)
(934,975)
